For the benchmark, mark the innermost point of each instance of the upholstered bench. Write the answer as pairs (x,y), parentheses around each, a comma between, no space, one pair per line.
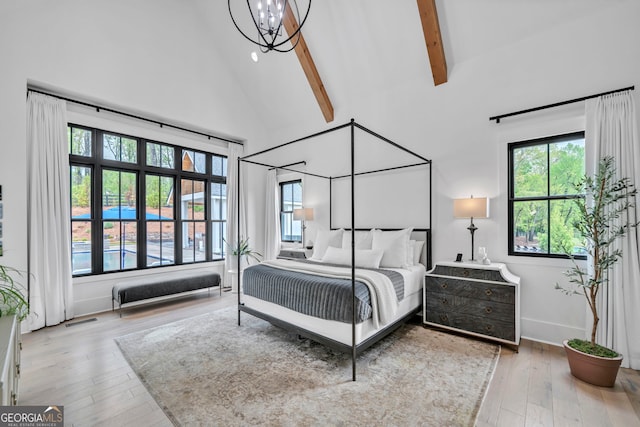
(158,285)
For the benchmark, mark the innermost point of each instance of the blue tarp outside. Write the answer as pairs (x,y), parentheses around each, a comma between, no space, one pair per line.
(121,212)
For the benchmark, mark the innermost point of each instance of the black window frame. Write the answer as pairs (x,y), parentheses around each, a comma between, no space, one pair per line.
(284,212)
(97,164)
(548,141)
(221,222)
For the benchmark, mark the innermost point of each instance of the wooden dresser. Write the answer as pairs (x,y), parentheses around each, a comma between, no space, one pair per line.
(477,299)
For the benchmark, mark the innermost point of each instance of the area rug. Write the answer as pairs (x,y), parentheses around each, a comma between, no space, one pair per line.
(207,371)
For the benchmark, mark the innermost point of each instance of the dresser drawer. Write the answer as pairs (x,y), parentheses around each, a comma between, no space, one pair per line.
(480,299)
(479,325)
(443,302)
(471,289)
(469,273)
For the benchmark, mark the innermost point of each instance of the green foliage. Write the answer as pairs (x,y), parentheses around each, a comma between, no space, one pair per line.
(12,300)
(242,249)
(153,200)
(158,190)
(119,186)
(541,173)
(591,348)
(80,186)
(79,141)
(602,219)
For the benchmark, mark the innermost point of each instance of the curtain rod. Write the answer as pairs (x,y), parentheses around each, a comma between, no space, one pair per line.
(557,104)
(133,116)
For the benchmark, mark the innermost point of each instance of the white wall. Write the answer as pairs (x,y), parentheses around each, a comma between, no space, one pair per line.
(164,63)
(148,57)
(450,124)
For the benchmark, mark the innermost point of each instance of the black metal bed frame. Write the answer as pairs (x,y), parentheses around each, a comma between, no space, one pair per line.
(354,349)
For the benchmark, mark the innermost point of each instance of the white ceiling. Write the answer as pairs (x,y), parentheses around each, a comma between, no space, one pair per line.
(361,46)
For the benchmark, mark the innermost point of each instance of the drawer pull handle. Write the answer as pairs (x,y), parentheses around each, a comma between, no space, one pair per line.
(444,285)
(488,327)
(488,292)
(465,273)
(443,318)
(488,310)
(444,301)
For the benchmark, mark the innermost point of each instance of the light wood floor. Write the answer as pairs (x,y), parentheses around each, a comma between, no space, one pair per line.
(81,367)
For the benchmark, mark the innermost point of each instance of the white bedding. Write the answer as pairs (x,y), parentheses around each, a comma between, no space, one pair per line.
(383,296)
(340,331)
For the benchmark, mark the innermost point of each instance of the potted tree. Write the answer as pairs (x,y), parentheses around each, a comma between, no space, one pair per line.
(602,219)
(12,299)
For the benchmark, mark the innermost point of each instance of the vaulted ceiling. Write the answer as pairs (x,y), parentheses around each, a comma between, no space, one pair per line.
(361,46)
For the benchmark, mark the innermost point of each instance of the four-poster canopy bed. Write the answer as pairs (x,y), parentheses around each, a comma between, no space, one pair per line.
(313,298)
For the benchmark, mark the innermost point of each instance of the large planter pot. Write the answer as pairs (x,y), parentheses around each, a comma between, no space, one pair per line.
(596,370)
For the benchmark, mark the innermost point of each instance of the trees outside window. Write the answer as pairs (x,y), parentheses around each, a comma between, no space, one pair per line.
(139,204)
(542,177)
(290,199)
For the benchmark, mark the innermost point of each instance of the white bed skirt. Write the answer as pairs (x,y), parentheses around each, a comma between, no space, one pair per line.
(333,329)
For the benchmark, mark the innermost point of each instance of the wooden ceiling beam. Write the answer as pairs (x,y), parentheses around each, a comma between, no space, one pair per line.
(433,40)
(309,67)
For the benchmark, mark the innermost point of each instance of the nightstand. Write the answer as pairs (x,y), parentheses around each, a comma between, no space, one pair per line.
(476,299)
(294,253)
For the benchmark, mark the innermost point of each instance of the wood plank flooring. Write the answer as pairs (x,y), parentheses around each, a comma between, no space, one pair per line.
(81,367)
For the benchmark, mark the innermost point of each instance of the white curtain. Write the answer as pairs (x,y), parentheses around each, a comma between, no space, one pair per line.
(612,130)
(235,151)
(50,277)
(272,216)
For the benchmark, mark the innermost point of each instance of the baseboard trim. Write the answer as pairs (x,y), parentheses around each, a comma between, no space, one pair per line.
(548,332)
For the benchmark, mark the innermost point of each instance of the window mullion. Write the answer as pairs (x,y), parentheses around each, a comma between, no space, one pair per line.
(120,170)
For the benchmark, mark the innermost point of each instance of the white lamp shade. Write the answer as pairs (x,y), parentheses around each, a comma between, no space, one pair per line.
(474,207)
(304,214)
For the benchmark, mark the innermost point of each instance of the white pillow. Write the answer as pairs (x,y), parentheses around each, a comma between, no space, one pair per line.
(417,250)
(365,258)
(394,244)
(409,260)
(325,239)
(363,239)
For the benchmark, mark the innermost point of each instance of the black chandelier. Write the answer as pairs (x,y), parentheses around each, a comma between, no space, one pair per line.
(267,17)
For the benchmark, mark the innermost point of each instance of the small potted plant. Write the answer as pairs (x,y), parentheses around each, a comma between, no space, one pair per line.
(602,219)
(244,251)
(12,299)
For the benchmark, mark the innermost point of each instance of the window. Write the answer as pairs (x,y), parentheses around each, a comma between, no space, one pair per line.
(193,221)
(160,215)
(119,220)
(542,177)
(139,204)
(290,199)
(218,205)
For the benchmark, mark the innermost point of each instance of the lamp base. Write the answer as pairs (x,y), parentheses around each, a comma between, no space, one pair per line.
(472,228)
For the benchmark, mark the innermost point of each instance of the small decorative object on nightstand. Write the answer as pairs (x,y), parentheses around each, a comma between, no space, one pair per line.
(477,299)
(484,257)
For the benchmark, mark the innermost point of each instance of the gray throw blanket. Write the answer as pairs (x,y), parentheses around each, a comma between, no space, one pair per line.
(324,291)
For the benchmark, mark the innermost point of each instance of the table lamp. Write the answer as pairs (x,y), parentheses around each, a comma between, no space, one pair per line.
(473,207)
(303,214)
